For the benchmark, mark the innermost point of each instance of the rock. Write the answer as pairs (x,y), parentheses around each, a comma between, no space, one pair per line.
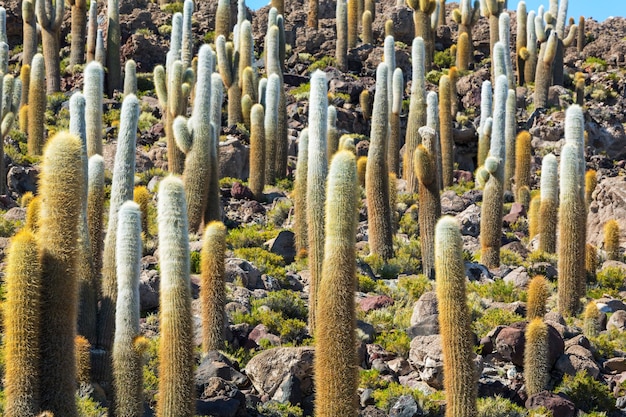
(367,397)
(577,359)
(518,277)
(365,331)
(476,272)
(269,369)
(15,214)
(424,307)
(145,49)
(517,211)
(261,332)
(214,364)
(427,326)
(22,179)
(609,202)
(371,411)
(610,305)
(405,406)
(375,302)
(220,398)
(288,391)
(617,321)
(510,342)
(149,290)
(240,269)
(270,283)
(451,203)
(283,245)
(241,192)
(615,365)
(234,159)
(427,357)
(469,220)
(399,366)
(557,404)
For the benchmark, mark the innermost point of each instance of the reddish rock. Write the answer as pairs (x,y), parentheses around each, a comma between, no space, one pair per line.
(241,192)
(557,404)
(375,302)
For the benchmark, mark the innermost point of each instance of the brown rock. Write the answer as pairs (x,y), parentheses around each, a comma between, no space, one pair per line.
(375,302)
(557,404)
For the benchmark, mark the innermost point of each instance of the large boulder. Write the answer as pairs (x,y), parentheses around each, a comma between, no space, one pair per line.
(609,203)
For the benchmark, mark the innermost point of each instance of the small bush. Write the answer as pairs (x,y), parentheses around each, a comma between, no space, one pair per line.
(249,236)
(508,257)
(277,409)
(278,214)
(498,290)
(443,59)
(415,286)
(395,341)
(498,407)
(587,393)
(611,278)
(323,63)
(494,317)
(365,283)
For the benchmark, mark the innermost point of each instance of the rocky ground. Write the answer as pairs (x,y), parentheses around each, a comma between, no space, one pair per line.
(267,367)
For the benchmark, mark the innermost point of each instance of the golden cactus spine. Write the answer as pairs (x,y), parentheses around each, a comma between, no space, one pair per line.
(61,179)
(611,240)
(299,191)
(538,293)
(36,106)
(212,289)
(454,321)
(445,126)
(142,197)
(353,23)
(523,154)
(176,387)
(549,204)
(591,262)
(591,321)
(536,354)
(591,182)
(533,216)
(336,376)
(22,325)
(341,51)
(256,182)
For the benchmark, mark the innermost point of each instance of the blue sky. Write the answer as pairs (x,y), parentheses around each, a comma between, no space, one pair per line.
(598,9)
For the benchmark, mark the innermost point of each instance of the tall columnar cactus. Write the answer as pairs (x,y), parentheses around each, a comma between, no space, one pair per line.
(186,52)
(36,106)
(312,16)
(228,62)
(549,204)
(523,154)
(572,216)
(60,179)
(454,321)
(591,261)
(222,18)
(176,387)
(100,53)
(445,129)
(95,204)
(367,36)
(486,122)
(79,32)
(580,42)
(432,121)
(538,293)
(536,356)
(130,77)
(49,17)
(195,139)
(336,376)
(521,41)
(491,212)
(533,216)
(377,174)
(333,133)
(422,9)
(22,325)
(393,154)
(527,55)
(246,54)
(92,30)
(591,181)
(429,203)
(352,23)
(299,192)
(272,99)
(611,240)
(212,289)
(93,89)
(315,186)
(256,182)
(127,368)
(114,39)
(217,99)
(543,74)
(10,93)
(29,31)
(121,191)
(341,51)
(25,79)
(417,112)
(492,11)
(510,133)
(463,52)
(498,60)
(591,323)
(466,17)
(504,27)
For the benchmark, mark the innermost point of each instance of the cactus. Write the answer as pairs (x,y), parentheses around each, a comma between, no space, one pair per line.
(466,16)
(611,240)
(533,216)
(100,54)
(272,100)
(93,89)
(543,74)
(130,77)
(92,29)
(536,356)
(492,11)
(227,61)
(429,203)
(29,31)
(521,40)
(371,6)
(22,325)
(36,106)
(591,322)
(422,9)
(79,32)
(463,52)
(10,93)
(141,196)
(538,293)
(417,112)
(222,18)
(445,127)
(127,368)
(256,182)
(529,53)
(95,204)
(510,132)
(491,212)
(279,5)
(486,122)
(212,290)
(114,36)
(580,43)
(49,17)
(25,79)
(591,181)
(316,179)
(246,55)
(299,192)
(335,345)
(176,385)
(393,151)
(186,52)
(389,31)
(341,51)
(365,101)
(432,121)
(376,176)
(352,23)
(333,133)
(312,16)
(83,360)
(367,36)
(549,204)
(361,169)
(195,138)
(454,321)
(579,88)
(523,154)
(121,191)
(60,178)
(504,26)
(31,222)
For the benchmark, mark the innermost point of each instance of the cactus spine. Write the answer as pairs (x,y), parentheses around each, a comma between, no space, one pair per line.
(523,153)
(591,181)
(127,370)
(29,31)
(141,196)
(445,127)
(50,16)
(114,38)
(543,74)
(580,43)
(454,321)
(335,349)
(61,177)
(510,132)
(538,294)
(491,212)
(432,121)
(352,23)
(492,11)
(417,112)
(521,40)
(504,27)
(212,291)
(272,100)
(256,182)
(299,191)
(466,16)
(222,18)
(79,32)
(36,106)
(94,81)
(22,325)
(591,323)
(429,203)
(341,51)
(176,387)
(312,16)
(549,204)
(533,216)
(92,29)
(536,354)
(422,9)
(95,204)
(393,154)
(130,77)
(315,185)
(367,36)
(486,122)
(611,240)
(377,175)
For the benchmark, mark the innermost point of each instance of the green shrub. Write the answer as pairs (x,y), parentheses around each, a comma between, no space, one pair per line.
(370,378)
(301,92)
(498,290)
(443,59)
(587,393)
(278,214)
(365,283)
(322,63)
(508,257)
(498,407)
(250,236)
(276,409)
(415,286)
(432,405)
(287,302)
(267,262)
(494,317)
(611,278)
(395,341)
(195,262)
